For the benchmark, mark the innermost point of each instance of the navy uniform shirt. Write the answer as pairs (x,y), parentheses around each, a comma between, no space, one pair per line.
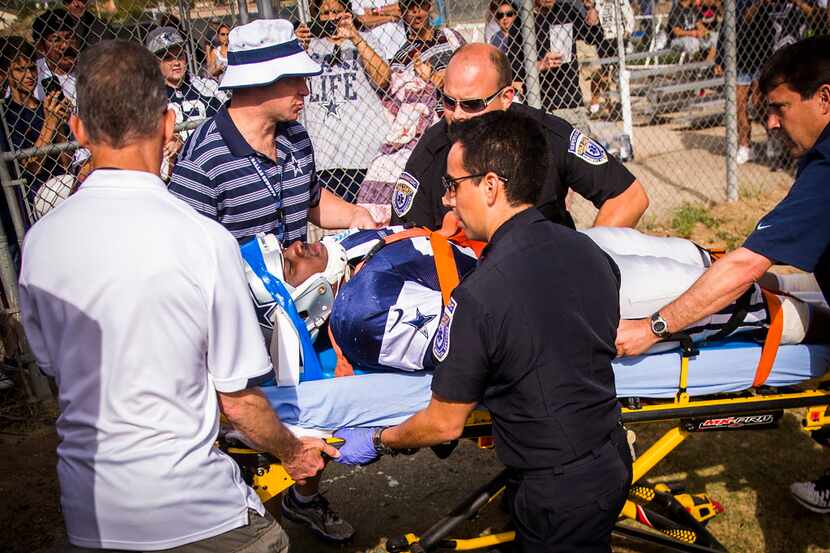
(531,333)
(574,161)
(216,174)
(797,231)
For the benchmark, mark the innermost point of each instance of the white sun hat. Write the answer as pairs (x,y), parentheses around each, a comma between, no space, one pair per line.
(263,52)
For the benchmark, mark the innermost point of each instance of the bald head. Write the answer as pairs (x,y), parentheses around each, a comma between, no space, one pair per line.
(477,71)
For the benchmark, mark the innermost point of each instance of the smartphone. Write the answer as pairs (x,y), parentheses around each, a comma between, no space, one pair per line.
(322,29)
(50,85)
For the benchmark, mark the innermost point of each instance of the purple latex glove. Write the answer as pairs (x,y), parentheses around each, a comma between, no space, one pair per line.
(358,448)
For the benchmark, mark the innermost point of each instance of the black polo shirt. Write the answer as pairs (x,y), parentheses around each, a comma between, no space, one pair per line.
(575,161)
(530,332)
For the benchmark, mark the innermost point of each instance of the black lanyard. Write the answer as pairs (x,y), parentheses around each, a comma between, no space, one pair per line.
(275,192)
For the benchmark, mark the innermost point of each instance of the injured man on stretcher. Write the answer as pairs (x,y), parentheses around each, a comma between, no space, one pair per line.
(381,293)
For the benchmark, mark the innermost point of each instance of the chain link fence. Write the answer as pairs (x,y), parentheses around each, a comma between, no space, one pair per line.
(666,85)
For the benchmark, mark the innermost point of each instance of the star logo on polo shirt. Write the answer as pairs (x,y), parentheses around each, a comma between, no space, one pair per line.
(291,164)
(420,322)
(331,109)
(264,311)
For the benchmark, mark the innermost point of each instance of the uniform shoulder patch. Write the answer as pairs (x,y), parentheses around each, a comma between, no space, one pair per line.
(586,148)
(441,345)
(404,194)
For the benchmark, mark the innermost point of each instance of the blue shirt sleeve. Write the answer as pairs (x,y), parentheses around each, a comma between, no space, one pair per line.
(191,184)
(797,231)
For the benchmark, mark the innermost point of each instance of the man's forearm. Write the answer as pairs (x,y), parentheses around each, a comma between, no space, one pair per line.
(625,209)
(720,285)
(251,414)
(333,212)
(440,422)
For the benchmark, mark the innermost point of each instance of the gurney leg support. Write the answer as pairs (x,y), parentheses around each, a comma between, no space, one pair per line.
(432,538)
(657,452)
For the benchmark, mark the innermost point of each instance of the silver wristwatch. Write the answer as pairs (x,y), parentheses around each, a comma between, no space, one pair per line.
(659,326)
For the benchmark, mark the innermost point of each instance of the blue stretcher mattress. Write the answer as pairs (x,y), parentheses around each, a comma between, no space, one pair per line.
(381,399)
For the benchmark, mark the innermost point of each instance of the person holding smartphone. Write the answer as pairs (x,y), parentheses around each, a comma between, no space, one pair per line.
(344,115)
(53,34)
(32,123)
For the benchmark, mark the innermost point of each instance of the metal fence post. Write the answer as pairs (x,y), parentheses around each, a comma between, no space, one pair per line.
(38,386)
(730,54)
(244,16)
(265,9)
(533,93)
(623,81)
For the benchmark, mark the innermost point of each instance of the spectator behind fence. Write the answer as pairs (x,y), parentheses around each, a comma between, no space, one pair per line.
(7,46)
(688,31)
(607,48)
(53,33)
(35,124)
(382,19)
(152,285)
(344,114)
(217,56)
(192,98)
(89,29)
(508,37)
(558,26)
(417,75)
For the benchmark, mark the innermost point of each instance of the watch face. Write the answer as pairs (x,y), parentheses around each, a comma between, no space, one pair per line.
(659,327)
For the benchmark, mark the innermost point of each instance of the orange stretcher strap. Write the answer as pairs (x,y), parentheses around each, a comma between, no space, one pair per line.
(343,367)
(770,348)
(445,265)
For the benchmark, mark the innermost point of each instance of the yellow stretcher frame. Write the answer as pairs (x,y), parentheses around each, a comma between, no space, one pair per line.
(678,517)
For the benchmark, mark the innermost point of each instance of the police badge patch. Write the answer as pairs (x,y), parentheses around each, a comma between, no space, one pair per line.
(586,148)
(404,194)
(441,345)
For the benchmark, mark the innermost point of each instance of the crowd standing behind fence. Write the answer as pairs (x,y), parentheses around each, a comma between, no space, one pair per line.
(664,111)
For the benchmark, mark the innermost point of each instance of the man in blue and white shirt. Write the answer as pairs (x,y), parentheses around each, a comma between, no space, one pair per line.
(251,167)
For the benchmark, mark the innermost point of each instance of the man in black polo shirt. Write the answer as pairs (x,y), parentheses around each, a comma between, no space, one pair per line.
(477,81)
(551,394)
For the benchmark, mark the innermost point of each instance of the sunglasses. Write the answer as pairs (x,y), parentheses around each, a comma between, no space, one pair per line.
(470,106)
(451,185)
(502,15)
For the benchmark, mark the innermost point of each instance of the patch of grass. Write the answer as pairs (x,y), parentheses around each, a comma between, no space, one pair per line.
(731,240)
(750,192)
(688,215)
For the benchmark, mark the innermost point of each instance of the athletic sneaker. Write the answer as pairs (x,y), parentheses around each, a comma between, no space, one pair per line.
(814,495)
(317,516)
(5,381)
(744,154)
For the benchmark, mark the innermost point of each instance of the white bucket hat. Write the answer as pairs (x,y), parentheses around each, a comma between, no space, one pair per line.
(263,52)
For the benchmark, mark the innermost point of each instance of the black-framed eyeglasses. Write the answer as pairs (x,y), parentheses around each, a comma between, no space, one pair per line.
(451,184)
(470,106)
(502,15)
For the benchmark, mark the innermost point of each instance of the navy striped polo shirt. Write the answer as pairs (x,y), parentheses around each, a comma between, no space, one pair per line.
(216,175)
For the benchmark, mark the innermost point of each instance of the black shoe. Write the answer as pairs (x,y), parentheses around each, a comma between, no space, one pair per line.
(318,516)
(814,495)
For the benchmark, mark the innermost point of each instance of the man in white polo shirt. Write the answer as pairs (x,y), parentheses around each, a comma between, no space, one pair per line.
(137,306)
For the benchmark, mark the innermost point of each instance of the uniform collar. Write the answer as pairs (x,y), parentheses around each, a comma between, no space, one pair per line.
(230,134)
(821,149)
(522,218)
(120,178)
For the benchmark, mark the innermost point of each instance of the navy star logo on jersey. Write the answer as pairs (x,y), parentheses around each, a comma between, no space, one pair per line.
(264,311)
(420,322)
(331,109)
(291,164)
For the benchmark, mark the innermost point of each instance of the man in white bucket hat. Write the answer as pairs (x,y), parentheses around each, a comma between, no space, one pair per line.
(251,166)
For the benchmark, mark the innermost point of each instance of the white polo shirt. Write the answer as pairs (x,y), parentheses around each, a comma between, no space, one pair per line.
(139,308)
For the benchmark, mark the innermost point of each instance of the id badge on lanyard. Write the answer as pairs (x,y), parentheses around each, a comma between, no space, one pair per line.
(276,193)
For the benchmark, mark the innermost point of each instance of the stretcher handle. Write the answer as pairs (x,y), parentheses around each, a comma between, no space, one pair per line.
(687,345)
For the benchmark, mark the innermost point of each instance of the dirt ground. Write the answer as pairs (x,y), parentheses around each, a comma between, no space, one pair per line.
(749,472)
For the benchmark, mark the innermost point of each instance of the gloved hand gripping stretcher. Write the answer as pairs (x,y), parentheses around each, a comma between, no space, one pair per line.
(383,322)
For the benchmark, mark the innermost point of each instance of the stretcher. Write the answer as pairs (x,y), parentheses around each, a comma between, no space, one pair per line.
(710,389)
